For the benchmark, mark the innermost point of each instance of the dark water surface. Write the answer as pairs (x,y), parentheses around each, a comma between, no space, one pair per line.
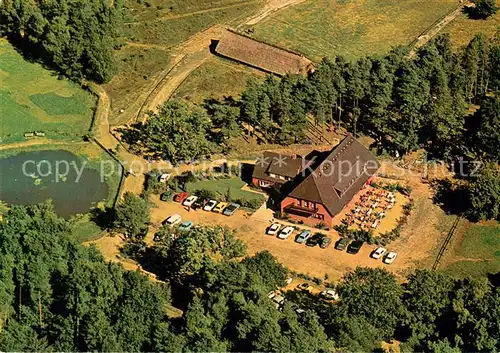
(33,177)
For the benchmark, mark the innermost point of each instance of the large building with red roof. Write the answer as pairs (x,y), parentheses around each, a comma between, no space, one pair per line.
(317,187)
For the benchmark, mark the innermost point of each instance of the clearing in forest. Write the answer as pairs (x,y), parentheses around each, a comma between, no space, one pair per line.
(353,28)
(33,99)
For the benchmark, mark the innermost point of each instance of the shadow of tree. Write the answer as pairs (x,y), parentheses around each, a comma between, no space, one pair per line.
(453,198)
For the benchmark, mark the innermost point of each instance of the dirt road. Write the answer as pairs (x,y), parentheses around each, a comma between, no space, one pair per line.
(271,7)
(436,28)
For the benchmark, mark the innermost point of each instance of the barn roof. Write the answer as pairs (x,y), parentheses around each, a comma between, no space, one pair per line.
(260,55)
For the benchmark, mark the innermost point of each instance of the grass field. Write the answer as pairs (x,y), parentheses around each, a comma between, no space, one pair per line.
(217,78)
(352,28)
(221,187)
(32,98)
(479,252)
(153,30)
(174,29)
(463,29)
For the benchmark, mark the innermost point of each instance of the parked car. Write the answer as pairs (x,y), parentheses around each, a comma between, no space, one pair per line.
(166,196)
(390,257)
(173,220)
(189,201)
(379,252)
(325,242)
(354,247)
(180,197)
(273,229)
(289,280)
(198,204)
(210,205)
(279,300)
(186,225)
(220,207)
(315,239)
(304,286)
(303,236)
(164,177)
(286,232)
(229,210)
(342,244)
(330,294)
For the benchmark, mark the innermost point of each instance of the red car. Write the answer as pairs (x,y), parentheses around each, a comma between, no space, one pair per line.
(180,197)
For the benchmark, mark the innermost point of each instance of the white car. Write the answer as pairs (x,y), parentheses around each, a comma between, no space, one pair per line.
(164,177)
(289,280)
(389,259)
(377,254)
(286,232)
(210,205)
(273,229)
(173,220)
(330,294)
(188,202)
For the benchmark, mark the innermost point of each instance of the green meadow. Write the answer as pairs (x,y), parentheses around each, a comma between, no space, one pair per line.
(34,99)
(479,252)
(352,28)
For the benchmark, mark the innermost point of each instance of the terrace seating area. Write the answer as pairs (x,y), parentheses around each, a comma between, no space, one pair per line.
(371,208)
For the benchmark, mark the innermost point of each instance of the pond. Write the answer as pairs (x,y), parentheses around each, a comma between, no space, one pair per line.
(33,177)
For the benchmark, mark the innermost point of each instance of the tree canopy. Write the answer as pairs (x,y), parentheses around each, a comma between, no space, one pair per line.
(56,295)
(76,37)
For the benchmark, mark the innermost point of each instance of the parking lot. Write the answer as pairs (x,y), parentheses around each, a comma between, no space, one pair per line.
(298,257)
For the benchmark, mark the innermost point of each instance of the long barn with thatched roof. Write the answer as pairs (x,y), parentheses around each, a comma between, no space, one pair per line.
(262,56)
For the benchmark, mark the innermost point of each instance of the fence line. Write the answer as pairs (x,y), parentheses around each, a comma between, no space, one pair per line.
(446,242)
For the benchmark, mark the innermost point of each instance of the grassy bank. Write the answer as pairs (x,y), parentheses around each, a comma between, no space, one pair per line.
(84,228)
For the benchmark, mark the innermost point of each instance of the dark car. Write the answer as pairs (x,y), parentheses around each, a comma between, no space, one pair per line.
(354,247)
(342,244)
(198,204)
(316,239)
(166,196)
(325,242)
(231,209)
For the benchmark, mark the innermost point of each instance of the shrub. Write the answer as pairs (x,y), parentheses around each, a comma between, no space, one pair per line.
(205,194)
(321,225)
(317,280)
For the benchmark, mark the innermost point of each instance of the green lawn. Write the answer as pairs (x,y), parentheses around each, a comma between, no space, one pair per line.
(32,98)
(353,28)
(221,187)
(479,252)
(217,78)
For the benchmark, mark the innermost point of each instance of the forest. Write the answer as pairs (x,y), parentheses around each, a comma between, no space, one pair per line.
(76,38)
(56,295)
